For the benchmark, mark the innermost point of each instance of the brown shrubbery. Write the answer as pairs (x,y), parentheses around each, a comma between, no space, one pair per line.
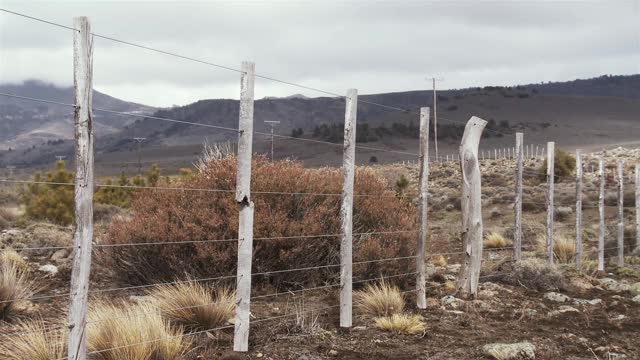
(170,216)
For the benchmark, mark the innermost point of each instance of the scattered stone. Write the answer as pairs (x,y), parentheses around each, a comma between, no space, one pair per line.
(613,285)
(495,287)
(618,317)
(432,303)
(259,355)
(449,277)
(517,351)
(59,255)
(486,294)
(563,309)
(50,270)
(587,302)
(636,299)
(453,268)
(450,300)
(580,284)
(333,353)
(556,297)
(635,289)
(359,328)
(455,312)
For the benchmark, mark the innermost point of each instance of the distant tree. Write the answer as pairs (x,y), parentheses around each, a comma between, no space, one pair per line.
(373,159)
(402,184)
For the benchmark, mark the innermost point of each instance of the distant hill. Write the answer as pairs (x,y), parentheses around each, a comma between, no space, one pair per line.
(594,112)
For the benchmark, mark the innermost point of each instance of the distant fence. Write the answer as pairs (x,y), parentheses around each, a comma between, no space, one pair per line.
(472,231)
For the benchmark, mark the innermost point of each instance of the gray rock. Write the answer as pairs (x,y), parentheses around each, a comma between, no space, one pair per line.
(636,299)
(587,302)
(613,285)
(448,300)
(50,270)
(517,351)
(635,289)
(556,297)
(563,309)
(60,255)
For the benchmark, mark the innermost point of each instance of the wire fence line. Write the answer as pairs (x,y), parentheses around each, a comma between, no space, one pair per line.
(346,234)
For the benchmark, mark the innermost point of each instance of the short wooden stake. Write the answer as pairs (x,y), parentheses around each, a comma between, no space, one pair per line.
(471,208)
(346,210)
(243,198)
(550,206)
(423,190)
(620,215)
(578,210)
(83,227)
(517,237)
(601,227)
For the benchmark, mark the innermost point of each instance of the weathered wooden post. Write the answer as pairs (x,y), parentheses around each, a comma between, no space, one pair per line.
(620,215)
(495,155)
(346,210)
(517,237)
(578,210)
(83,227)
(471,208)
(550,208)
(638,207)
(601,227)
(243,198)
(423,192)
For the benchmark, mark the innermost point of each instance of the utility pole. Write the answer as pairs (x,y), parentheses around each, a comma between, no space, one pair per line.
(60,157)
(435,114)
(139,140)
(272,123)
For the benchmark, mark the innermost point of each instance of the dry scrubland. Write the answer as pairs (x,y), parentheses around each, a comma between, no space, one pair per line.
(548,312)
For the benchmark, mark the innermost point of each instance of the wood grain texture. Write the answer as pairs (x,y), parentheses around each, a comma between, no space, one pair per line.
(601,225)
(517,235)
(620,214)
(550,202)
(471,208)
(578,209)
(423,227)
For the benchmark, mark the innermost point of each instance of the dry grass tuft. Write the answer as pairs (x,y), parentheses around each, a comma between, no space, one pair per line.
(439,260)
(534,274)
(564,249)
(193,305)
(14,284)
(380,299)
(112,331)
(495,241)
(401,323)
(10,256)
(34,342)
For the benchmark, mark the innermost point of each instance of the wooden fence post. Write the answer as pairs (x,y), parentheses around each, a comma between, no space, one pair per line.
(601,214)
(471,208)
(243,198)
(517,237)
(83,228)
(423,191)
(637,207)
(620,215)
(578,210)
(346,210)
(550,208)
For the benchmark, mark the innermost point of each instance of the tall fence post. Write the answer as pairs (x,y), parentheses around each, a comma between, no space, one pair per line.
(423,191)
(517,237)
(620,215)
(578,210)
(550,208)
(83,231)
(346,210)
(243,198)
(637,207)
(601,214)
(471,208)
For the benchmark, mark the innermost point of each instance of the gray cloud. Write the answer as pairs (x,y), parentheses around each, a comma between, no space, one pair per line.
(375,46)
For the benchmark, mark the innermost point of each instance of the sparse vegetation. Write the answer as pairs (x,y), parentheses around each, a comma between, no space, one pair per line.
(439,260)
(564,164)
(193,306)
(495,240)
(564,249)
(534,274)
(112,332)
(380,299)
(34,340)
(402,323)
(15,285)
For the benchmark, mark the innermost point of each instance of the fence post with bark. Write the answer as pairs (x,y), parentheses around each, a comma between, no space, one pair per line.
(578,254)
(517,236)
(550,206)
(423,191)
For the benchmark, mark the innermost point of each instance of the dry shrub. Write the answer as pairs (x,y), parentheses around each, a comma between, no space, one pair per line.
(168,216)
(495,241)
(192,305)
(15,284)
(401,323)
(534,274)
(564,249)
(10,256)
(381,299)
(7,217)
(439,260)
(112,330)
(34,341)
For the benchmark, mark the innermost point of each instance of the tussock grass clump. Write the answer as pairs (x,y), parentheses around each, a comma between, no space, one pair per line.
(564,249)
(193,305)
(9,256)
(439,260)
(401,323)
(112,330)
(14,284)
(495,241)
(34,341)
(381,299)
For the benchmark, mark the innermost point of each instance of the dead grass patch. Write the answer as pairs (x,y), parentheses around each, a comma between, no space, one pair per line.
(381,299)
(15,284)
(34,341)
(401,323)
(495,241)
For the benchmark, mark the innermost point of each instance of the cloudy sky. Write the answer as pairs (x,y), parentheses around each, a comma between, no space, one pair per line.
(374,46)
